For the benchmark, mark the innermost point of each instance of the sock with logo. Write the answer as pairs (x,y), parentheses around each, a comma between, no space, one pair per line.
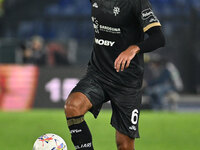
(80,133)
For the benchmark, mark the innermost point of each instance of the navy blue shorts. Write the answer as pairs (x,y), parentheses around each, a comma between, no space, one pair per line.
(125,102)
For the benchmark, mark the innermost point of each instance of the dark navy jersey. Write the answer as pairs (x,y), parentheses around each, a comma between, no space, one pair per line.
(117,25)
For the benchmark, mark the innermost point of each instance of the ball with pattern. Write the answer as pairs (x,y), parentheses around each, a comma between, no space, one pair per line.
(50,142)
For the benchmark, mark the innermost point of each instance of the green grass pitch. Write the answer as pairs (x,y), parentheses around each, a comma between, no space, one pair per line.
(158,130)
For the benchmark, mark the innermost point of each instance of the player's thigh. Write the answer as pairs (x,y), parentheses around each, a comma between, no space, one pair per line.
(87,95)
(77,104)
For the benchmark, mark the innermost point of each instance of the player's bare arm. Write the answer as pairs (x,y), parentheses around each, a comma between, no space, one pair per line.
(155,40)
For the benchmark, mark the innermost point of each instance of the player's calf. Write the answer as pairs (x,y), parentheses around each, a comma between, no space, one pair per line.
(124,142)
(76,106)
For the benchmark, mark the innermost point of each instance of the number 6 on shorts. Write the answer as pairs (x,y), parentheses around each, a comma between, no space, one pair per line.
(134,117)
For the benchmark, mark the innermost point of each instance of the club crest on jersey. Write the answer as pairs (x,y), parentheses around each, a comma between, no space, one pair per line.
(116,10)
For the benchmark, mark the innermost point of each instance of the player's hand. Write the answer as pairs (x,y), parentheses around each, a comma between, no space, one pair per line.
(125,57)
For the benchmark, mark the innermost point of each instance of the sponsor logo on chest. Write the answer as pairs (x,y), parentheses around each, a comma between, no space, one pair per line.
(98,27)
(103,42)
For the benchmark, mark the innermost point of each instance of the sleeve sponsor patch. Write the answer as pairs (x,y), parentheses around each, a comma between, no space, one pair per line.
(147,13)
(149,19)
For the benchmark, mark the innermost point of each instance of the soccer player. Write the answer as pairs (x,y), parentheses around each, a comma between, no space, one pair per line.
(115,70)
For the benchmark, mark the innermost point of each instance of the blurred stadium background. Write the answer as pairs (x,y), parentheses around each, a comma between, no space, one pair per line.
(44,50)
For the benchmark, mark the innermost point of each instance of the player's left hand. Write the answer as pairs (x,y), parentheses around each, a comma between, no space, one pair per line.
(125,57)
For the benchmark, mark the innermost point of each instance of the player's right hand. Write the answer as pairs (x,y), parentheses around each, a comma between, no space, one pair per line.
(125,57)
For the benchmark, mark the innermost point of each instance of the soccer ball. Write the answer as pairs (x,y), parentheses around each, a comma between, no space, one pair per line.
(50,142)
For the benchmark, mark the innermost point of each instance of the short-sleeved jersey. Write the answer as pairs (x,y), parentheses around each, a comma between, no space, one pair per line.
(117,25)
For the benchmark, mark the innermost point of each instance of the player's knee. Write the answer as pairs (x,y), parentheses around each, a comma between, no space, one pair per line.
(72,107)
(76,105)
(71,110)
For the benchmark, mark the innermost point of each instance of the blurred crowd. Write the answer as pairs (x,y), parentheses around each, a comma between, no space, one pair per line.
(39,52)
(51,20)
(162,83)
